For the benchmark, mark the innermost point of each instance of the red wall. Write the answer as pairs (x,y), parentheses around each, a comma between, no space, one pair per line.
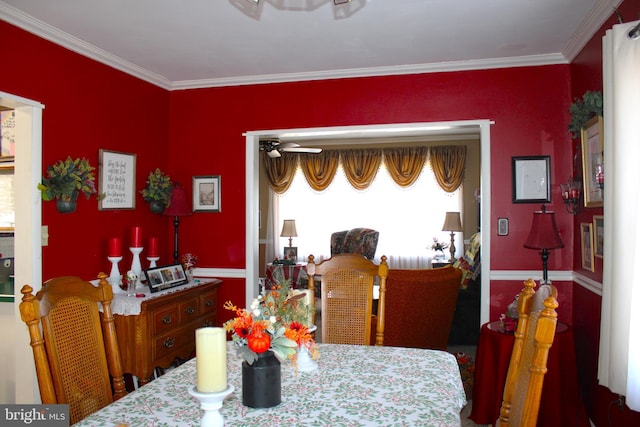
(89,106)
(586,74)
(529,106)
(199,132)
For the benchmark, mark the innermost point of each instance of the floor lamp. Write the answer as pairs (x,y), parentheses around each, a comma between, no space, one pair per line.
(544,236)
(452,223)
(178,207)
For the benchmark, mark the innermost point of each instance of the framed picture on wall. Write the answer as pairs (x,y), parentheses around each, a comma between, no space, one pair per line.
(586,235)
(598,236)
(206,193)
(531,182)
(117,180)
(592,161)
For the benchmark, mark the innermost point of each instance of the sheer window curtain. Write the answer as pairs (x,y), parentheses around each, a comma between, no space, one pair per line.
(619,356)
(407,218)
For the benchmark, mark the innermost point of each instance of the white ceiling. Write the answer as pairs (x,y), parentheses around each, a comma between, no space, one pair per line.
(180,44)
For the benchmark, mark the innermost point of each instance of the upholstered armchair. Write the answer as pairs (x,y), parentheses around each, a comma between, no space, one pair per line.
(361,241)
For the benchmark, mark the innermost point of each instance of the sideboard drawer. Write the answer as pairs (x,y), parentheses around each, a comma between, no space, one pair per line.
(208,301)
(165,328)
(189,310)
(166,344)
(165,318)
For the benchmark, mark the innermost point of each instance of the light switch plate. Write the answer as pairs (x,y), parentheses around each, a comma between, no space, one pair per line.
(45,235)
(503,226)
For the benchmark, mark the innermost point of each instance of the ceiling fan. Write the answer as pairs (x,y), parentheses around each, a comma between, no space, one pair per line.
(274,148)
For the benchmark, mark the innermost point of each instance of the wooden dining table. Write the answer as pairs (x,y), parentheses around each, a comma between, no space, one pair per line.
(353,386)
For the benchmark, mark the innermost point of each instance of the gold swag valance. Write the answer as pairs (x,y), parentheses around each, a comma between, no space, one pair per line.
(361,166)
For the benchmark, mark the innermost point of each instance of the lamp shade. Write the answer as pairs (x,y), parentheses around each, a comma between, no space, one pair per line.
(289,228)
(178,205)
(452,222)
(544,231)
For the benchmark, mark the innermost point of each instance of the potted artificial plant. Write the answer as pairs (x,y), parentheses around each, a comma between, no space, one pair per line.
(158,191)
(65,179)
(584,109)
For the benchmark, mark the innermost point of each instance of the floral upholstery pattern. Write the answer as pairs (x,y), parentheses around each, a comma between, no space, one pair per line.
(361,241)
(470,262)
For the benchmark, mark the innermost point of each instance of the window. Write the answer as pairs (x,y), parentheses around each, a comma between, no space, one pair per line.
(7,210)
(407,218)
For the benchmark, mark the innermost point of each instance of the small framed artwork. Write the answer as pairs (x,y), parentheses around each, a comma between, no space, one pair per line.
(503,226)
(598,236)
(291,253)
(165,277)
(117,180)
(7,135)
(531,182)
(592,160)
(586,234)
(206,193)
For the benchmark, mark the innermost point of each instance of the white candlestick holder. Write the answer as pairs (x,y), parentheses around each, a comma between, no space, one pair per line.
(211,403)
(115,278)
(136,267)
(152,261)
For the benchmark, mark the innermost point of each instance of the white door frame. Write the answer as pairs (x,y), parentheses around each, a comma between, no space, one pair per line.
(252,140)
(28,233)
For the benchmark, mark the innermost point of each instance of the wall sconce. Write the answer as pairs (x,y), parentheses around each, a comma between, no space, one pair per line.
(571,195)
(599,175)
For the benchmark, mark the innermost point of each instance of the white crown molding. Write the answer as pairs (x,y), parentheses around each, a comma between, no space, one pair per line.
(41,29)
(484,64)
(592,23)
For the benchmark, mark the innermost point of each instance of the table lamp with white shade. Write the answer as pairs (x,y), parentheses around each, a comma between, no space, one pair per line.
(452,223)
(289,230)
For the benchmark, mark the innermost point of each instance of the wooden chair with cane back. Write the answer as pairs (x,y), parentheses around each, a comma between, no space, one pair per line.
(75,347)
(346,283)
(533,338)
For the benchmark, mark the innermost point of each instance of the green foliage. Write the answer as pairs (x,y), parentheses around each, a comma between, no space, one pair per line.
(64,178)
(584,109)
(159,187)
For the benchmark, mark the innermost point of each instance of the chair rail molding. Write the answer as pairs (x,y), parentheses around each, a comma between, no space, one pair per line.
(557,275)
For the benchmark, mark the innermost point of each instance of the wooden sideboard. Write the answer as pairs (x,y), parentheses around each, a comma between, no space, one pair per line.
(165,328)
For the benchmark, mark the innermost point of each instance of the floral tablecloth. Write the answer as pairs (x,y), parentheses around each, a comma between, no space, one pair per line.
(353,386)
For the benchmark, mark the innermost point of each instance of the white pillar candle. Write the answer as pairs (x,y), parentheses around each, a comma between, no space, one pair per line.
(211,360)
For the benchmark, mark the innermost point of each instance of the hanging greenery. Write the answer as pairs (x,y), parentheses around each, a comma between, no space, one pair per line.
(584,109)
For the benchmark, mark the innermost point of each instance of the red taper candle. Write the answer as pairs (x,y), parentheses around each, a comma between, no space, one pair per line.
(115,248)
(153,247)
(136,237)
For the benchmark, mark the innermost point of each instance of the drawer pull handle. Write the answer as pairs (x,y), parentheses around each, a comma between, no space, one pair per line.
(208,303)
(208,323)
(166,319)
(169,342)
(190,310)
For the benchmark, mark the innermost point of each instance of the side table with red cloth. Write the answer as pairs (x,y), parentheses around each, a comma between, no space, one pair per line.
(560,404)
(296,273)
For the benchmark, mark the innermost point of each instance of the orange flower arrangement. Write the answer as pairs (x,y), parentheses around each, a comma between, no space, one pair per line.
(275,321)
